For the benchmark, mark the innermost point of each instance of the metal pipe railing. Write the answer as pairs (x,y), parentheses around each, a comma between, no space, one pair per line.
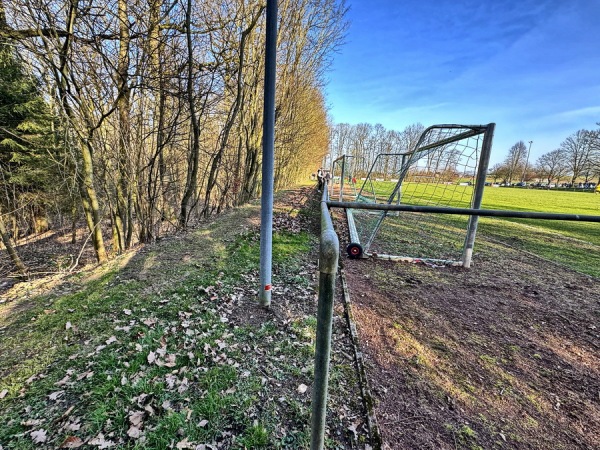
(329,251)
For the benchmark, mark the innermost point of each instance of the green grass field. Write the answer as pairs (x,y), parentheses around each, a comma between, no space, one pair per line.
(573,244)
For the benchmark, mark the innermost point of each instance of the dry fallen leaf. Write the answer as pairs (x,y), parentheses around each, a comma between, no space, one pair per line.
(151,357)
(32,422)
(83,375)
(134,432)
(127,312)
(170,361)
(56,395)
(39,436)
(185,444)
(73,426)
(3,393)
(64,381)
(101,443)
(110,340)
(137,418)
(71,442)
(149,322)
(68,326)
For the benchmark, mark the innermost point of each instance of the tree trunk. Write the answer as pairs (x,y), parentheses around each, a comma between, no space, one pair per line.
(91,205)
(191,183)
(14,256)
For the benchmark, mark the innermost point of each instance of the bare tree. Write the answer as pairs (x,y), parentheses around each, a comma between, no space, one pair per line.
(577,149)
(552,165)
(515,160)
(162,101)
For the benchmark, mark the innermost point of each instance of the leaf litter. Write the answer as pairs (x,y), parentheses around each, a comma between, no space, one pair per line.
(220,346)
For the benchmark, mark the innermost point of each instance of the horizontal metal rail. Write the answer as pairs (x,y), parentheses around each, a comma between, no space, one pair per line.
(341,157)
(466,211)
(470,133)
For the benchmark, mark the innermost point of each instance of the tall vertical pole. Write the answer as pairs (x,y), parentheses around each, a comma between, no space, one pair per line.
(484,161)
(266,205)
(526,163)
(342,178)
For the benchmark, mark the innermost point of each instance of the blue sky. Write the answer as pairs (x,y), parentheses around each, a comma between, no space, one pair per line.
(532,67)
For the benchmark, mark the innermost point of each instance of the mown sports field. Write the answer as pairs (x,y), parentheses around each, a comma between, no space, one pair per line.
(572,244)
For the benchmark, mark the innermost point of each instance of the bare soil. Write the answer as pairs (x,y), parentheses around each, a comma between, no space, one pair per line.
(502,356)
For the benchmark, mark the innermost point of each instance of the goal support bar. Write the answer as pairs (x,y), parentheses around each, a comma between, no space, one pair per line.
(473,212)
(466,211)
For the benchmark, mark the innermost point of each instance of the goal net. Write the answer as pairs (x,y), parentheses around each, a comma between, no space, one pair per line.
(441,170)
(344,181)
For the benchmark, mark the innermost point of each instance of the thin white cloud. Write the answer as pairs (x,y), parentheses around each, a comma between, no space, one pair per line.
(578,113)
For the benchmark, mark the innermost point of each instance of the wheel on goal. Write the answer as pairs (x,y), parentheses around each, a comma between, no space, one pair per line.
(354,250)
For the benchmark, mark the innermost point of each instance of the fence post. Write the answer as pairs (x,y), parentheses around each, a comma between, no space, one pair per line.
(328,262)
(484,160)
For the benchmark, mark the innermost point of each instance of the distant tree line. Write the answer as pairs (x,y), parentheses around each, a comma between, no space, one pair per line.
(576,160)
(365,141)
(148,113)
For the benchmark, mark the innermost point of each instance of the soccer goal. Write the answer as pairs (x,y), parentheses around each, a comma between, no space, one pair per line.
(446,168)
(344,184)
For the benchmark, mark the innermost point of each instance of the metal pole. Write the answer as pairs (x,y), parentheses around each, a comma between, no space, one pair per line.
(342,179)
(328,262)
(526,163)
(484,161)
(266,205)
(399,195)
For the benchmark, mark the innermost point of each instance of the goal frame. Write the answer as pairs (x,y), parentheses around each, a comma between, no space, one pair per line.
(421,149)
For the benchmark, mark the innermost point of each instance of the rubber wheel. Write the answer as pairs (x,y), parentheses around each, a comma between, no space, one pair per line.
(354,250)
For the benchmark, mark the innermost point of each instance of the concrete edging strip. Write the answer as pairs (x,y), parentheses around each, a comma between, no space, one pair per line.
(360,366)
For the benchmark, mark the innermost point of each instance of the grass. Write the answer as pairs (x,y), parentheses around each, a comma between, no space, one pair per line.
(172,334)
(570,243)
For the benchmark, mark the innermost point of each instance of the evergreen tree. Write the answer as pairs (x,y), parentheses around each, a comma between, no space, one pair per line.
(29,178)
(26,171)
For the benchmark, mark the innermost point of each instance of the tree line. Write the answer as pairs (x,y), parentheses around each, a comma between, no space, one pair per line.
(365,141)
(147,114)
(576,159)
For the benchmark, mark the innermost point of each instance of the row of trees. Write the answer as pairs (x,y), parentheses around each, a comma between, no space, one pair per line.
(577,158)
(149,112)
(365,141)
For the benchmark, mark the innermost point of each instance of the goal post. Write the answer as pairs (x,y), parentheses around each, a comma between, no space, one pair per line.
(446,168)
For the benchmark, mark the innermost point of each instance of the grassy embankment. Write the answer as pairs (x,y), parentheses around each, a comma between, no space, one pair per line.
(167,347)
